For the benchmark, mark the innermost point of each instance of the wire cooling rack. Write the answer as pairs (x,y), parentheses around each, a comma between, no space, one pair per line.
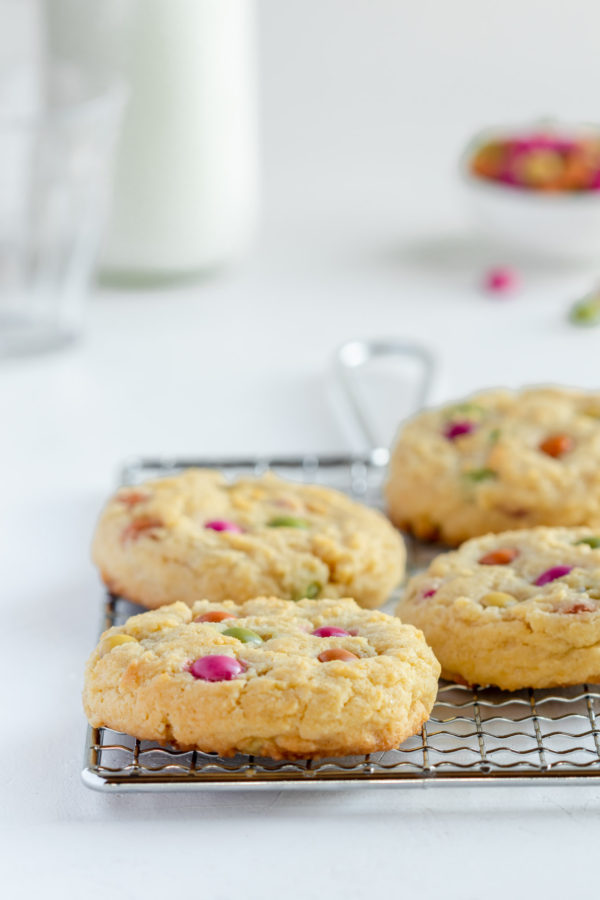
(473,736)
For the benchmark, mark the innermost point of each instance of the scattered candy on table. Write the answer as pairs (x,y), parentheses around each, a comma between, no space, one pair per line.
(501,280)
(586,311)
(540,162)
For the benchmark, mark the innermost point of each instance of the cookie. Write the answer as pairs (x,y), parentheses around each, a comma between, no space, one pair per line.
(196,536)
(518,609)
(498,461)
(267,677)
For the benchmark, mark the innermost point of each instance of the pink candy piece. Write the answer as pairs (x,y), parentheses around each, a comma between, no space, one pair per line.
(456,429)
(543,142)
(223,525)
(508,177)
(429,593)
(216,668)
(552,574)
(330,631)
(500,280)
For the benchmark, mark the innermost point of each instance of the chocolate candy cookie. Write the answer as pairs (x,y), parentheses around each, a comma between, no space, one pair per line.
(196,536)
(267,677)
(517,609)
(498,461)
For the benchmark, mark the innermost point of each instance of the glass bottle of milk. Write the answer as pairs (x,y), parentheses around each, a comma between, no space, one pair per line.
(185,194)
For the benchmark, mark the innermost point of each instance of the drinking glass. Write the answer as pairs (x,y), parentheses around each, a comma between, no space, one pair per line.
(59,122)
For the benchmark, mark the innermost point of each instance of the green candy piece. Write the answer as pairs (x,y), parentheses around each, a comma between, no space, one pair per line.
(308,593)
(288,522)
(494,435)
(312,590)
(466,410)
(593,542)
(245,635)
(478,475)
(586,311)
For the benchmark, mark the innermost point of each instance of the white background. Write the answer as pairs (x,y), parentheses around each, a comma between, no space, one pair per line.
(365,106)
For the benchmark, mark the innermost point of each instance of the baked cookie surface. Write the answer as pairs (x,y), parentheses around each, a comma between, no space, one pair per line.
(195,536)
(518,609)
(270,678)
(498,461)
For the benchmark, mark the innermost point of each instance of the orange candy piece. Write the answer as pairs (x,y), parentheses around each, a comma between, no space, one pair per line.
(336,653)
(557,445)
(579,608)
(577,173)
(488,161)
(500,557)
(139,526)
(132,498)
(214,615)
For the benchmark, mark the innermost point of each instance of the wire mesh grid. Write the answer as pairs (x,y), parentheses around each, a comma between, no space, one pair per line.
(477,735)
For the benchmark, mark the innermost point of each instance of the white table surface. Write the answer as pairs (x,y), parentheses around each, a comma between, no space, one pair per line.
(234,364)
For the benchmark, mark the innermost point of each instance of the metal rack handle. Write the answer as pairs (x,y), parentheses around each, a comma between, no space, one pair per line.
(352,356)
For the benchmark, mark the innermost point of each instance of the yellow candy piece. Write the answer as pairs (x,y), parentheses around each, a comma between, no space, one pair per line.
(541,168)
(498,598)
(115,640)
